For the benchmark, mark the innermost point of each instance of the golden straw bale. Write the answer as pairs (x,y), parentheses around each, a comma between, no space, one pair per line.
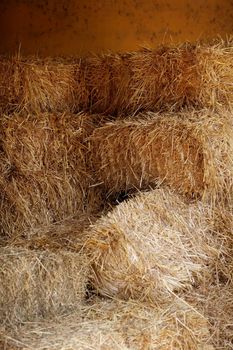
(191,152)
(45,85)
(218,307)
(151,247)
(117,326)
(165,78)
(44,176)
(121,77)
(214,299)
(67,234)
(215,302)
(171,78)
(107,78)
(37,284)
(98,81)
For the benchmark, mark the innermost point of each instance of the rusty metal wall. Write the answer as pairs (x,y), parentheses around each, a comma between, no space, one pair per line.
(53,27)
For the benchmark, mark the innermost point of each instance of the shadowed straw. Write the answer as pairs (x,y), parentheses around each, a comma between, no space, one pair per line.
(44,177)
(163,79)
(171,78)
(152,246)
(215,300)
(36,84)
(37,284)
(107,78)
(67,234)
(166,78)
(98,81)
(118,326)
(191,152)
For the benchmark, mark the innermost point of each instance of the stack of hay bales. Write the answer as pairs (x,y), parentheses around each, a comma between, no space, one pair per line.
(44,176)
(164,79)
(197,76)
(158,247)
(190,151)
(162,253)
(41,85)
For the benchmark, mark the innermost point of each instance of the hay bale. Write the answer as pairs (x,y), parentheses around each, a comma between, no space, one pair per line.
(118,326)
(191,152)
(121,74)
(37,284)
(47,85)
(107,78)
(151,247)
(166,78)
(67,234)
(215,302)
(44,177)
(218,307)
(98,81)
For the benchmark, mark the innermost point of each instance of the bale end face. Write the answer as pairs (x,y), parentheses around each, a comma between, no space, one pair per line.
(38,284)
(189,151)
(42,85)
(151,247)
(44,176)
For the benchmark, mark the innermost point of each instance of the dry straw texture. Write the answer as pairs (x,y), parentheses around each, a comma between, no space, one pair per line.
(151,247)
(98,81)
(117,326)
(107,78)
(165,78)
(218,307)
(168,78)
(35,84)
(191,152)
(215,302)
(36,284)
(67,234)
(214,299)
(44,177)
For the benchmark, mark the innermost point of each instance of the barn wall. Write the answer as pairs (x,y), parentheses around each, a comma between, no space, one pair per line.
(52,27)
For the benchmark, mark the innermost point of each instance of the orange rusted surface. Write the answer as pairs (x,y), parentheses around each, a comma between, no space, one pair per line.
(79,26)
